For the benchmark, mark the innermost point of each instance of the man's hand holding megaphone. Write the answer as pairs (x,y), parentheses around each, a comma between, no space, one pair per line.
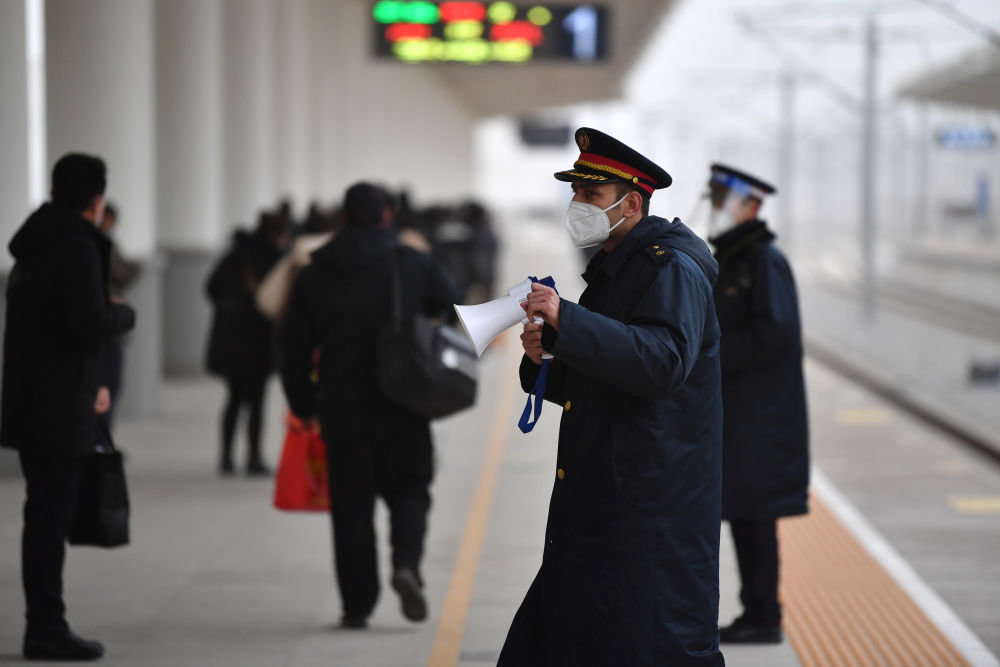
(542,302)
(529,300)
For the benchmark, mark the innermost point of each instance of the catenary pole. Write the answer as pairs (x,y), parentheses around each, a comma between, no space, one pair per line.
(868,141)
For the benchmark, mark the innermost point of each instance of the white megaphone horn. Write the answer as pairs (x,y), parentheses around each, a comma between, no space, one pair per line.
(486,321)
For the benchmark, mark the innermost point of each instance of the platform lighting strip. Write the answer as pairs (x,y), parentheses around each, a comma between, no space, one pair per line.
(476,32)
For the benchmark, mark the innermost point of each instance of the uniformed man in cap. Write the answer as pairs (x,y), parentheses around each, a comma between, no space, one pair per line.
(630,569)
(765,438)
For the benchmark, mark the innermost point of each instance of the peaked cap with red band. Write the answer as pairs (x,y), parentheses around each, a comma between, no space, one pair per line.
(604,159)
(741,181)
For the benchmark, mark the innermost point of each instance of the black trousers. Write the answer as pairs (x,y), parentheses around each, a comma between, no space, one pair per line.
(247,392)
(756,542)
(114,361)
(52,487)
(392,458)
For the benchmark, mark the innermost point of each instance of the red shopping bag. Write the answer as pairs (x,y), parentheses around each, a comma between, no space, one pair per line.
(301,483)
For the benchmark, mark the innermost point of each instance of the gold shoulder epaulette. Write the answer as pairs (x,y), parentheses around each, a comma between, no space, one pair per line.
(658,255)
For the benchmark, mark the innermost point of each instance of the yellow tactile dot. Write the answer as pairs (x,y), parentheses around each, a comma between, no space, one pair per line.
(561,474)
(569,404)
(975,504)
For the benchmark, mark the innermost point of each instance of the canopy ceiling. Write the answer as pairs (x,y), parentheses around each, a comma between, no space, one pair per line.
(491,90)
(972,81)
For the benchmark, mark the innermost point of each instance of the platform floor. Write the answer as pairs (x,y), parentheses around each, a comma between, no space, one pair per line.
(215,577)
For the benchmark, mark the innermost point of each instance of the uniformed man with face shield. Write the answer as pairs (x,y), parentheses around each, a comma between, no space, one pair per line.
(765,435)
(630,568)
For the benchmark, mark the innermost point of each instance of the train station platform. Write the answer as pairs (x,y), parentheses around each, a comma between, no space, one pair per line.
(894,566)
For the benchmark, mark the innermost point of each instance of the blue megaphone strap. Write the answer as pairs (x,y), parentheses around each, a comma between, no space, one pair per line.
(547,281)
(538,391)
(539,394)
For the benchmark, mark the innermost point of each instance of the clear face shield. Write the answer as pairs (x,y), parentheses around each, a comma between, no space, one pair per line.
(720,207)
(699,218)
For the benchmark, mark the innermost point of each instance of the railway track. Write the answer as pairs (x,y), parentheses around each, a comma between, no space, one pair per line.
(965,316)
(944,310)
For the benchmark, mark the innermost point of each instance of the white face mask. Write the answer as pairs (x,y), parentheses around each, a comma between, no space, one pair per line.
(589,225)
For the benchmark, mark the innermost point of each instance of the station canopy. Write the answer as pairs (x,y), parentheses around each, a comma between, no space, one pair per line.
(517,57)
(971,81)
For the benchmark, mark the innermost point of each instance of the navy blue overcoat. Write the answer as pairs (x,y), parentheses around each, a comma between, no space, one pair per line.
(765,430)
(630,569)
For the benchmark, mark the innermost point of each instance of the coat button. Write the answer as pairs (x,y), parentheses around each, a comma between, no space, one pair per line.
(568,405)
(561,474)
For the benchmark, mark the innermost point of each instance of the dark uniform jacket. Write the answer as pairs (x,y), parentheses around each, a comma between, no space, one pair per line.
(630,570)
(241,342)
(59,322)
(340,303)
(765,432)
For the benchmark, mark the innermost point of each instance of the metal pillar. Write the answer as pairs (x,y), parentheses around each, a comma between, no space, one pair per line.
(786,156)
(923,171)
(868,146)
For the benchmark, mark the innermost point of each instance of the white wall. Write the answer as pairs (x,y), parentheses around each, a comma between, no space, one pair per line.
(14,200)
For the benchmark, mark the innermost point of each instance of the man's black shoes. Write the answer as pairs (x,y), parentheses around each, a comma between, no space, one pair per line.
(67,647)
(354,622)
(258,470)
(743,631)
(406,583)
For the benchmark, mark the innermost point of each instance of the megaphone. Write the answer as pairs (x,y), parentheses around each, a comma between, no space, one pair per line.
(484,322)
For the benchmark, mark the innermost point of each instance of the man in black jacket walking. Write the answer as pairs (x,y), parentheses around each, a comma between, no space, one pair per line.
(339,304)
(60,320)
(765,462)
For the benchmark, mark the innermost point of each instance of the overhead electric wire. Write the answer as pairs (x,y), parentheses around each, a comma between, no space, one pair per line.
(842,96)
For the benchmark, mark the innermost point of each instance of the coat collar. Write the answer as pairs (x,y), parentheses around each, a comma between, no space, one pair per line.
(611,262)
(734,240)
(51,224)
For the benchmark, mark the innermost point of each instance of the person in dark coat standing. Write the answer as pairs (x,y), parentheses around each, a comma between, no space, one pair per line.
(241,343)
(630,567)
(60,320)
(765,432)
(122,274)
(340,303)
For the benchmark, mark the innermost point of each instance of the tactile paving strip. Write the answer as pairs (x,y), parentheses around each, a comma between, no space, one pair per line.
(843,609)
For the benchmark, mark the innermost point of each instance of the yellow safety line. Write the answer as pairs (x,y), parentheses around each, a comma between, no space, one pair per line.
(451,626)
(843,609)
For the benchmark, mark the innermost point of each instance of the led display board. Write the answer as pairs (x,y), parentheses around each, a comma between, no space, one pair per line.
(419,31)
(965,137)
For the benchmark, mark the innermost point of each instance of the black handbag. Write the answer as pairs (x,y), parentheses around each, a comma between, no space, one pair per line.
(426,367)
(102,506)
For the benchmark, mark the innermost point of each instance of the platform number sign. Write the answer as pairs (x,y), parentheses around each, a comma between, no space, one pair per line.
(419,31)
(582,26)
